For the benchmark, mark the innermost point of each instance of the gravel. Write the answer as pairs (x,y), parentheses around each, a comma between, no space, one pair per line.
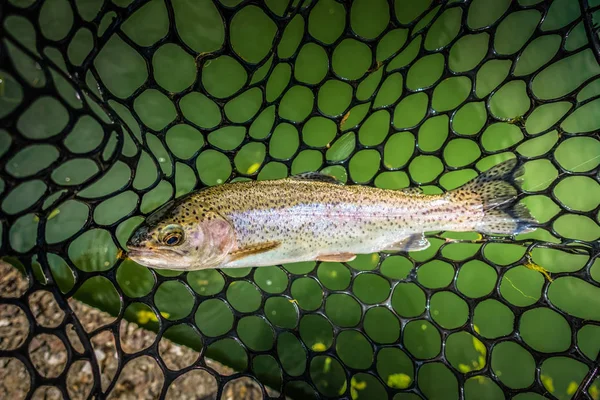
(140,378)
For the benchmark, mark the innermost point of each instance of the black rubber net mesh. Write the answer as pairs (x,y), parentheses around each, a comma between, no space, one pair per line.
(108,109)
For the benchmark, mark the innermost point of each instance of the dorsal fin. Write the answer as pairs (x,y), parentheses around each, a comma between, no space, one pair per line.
(317,176)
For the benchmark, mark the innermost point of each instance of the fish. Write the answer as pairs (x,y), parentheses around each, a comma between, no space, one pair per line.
(315,217)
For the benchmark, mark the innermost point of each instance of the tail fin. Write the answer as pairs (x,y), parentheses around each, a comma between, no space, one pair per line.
(496,189)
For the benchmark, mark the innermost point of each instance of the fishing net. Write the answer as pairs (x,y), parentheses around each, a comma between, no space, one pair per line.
(108,109)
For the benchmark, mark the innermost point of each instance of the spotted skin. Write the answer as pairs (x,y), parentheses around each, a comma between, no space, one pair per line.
(261,223)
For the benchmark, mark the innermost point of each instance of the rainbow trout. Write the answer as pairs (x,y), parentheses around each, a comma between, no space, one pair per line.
(313,216)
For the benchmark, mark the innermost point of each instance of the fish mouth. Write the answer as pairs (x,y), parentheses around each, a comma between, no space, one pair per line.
(154,258)
(154,252)
(137,252)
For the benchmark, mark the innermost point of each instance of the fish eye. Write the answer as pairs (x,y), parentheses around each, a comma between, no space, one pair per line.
(173,237)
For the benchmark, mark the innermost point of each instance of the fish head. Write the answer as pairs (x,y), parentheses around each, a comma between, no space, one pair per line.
(182,235)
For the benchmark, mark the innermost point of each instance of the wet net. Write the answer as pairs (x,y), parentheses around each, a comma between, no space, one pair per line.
(108,109)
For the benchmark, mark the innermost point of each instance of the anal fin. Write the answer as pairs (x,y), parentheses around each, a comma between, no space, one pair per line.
(253,249)
(410,243)
(340,257)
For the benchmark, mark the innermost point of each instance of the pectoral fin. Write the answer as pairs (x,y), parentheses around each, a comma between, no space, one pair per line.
(340,257)
(410,243)
(253,249)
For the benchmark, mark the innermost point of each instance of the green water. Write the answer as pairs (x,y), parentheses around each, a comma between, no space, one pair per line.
(179,124)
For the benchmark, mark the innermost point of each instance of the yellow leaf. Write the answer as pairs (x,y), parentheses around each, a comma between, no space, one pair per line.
(327,364)
(53,214)
(548,383)
(344,119)
(479,346)
(572,388)
(464,368)
(399,381)
(165,314)
(534,267)
(476,328)
(359,385)
(481,362)
(355,386)
(343,388)
(318,347)
(144,316)
(594,392)
(253,168)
